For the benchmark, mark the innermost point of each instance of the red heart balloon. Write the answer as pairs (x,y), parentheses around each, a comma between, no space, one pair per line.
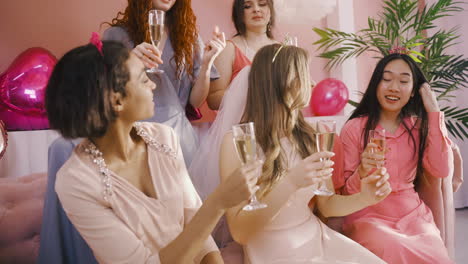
(22,90)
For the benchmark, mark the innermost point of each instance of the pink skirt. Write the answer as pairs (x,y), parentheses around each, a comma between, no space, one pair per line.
(399,229)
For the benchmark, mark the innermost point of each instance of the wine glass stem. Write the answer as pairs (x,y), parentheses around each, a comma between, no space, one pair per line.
(253,199)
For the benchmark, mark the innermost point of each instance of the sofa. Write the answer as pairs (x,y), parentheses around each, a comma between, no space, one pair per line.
(21,202)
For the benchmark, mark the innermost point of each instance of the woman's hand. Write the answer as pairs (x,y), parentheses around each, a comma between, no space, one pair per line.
(148,54)
(239,186)
(370,160)
(214,47)
(311,170)
(429,98)
(375,187)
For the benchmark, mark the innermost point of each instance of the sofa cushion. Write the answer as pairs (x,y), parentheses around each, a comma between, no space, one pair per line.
(21,202)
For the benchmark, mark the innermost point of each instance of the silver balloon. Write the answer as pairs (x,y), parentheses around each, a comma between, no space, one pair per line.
(3,139)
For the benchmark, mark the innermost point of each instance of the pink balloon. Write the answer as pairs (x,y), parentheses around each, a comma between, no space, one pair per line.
(329,97)
(22,90)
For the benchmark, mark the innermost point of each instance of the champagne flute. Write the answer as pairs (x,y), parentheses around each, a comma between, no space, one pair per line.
(156,28)
(246,147)
(324,140)
(378,137)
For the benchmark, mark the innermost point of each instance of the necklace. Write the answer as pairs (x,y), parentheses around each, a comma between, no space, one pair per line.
(97,157)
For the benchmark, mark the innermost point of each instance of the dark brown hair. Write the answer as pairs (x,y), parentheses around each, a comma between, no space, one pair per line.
(238,17)
(77,97)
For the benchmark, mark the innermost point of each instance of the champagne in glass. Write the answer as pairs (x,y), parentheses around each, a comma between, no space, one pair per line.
(324,140)
(246,147)
(156,28)
(378,137)
(156,32)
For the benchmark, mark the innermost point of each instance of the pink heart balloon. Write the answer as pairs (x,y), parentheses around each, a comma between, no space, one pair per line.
(22,90)
(329,97)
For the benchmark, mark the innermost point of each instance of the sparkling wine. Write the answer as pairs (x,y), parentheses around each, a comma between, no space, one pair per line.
(156,32)
(379,142)
(325,141)
(246,147)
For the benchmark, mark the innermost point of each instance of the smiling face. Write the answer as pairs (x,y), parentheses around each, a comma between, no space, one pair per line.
(138,103)
(396,86)
(163,5)
(257,14)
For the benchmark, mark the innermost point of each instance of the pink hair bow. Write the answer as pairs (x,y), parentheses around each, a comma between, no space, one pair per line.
(96,41)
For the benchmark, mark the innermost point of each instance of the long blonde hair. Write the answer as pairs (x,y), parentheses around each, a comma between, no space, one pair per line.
(278,90)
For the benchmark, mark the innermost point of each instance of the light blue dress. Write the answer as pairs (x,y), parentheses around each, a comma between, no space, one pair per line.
(171,94)
(60,241)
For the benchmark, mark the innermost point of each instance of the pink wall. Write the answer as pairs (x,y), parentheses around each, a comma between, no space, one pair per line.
(56,25)
(61,25)
(459,20)
(365,62)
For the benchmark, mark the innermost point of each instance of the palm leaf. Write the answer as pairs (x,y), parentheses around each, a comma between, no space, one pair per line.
(456,120)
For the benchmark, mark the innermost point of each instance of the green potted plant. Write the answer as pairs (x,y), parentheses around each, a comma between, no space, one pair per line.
(403,25)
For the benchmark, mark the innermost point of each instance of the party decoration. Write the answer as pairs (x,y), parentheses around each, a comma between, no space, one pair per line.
(329,97)
(302,12)
(22,90)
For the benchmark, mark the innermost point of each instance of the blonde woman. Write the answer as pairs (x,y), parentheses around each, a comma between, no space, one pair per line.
(287,231)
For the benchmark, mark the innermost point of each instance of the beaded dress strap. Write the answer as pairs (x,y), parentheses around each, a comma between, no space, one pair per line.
(97,157)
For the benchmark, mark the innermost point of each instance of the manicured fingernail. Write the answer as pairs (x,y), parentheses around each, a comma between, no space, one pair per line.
(377,193)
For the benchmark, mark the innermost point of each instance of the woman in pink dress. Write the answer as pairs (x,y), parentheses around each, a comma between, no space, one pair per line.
(400,229)
(287,231)
(125,187)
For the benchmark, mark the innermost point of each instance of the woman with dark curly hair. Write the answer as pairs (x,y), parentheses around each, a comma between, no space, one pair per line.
(187,66)
(125,187)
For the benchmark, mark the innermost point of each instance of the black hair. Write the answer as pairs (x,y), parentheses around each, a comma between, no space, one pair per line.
(78,94)
(370,107)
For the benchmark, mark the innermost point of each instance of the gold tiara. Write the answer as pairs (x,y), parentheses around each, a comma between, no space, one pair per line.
(288,41)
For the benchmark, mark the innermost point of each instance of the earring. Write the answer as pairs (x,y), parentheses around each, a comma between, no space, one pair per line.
(268,27)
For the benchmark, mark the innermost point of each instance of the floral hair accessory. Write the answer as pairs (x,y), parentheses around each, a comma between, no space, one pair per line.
(399,50)
(96,41)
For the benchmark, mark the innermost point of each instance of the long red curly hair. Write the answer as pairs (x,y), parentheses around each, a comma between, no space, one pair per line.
(182,29)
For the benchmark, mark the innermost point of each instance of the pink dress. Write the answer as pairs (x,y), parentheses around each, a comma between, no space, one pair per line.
(400,229)
(296,235)
(118,221)
(240,61)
